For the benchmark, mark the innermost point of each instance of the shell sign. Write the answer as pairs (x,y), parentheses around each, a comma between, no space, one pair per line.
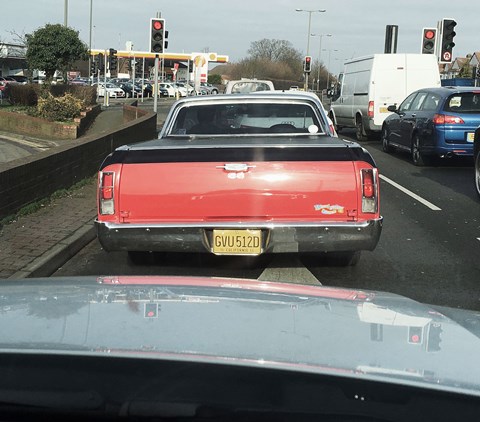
(200,64)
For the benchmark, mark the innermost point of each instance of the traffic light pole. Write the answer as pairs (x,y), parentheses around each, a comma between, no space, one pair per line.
(105,99)
(155,81)
(134,67)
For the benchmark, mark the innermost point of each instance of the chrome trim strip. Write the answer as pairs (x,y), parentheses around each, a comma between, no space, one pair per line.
(287,237)
(239,225)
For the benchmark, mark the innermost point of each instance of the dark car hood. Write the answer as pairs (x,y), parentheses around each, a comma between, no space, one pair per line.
(304,328)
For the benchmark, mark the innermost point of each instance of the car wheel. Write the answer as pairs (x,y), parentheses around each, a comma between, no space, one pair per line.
(361,135)
(343,259)
(477,172)
(214,91)
(386,141)
(418,158)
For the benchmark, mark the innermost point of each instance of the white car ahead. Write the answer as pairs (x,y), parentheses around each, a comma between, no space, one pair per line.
(113,90)
(173,89)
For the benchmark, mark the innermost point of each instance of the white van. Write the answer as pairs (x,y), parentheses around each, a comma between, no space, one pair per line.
(370,84)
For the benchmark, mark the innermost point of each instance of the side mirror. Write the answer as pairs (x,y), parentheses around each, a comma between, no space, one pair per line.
(392,108)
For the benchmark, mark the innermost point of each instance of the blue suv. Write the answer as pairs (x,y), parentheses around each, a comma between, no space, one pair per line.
(434,122)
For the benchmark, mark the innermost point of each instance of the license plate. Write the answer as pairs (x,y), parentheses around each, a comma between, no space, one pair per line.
(237,242)
(470,136)
(383,110)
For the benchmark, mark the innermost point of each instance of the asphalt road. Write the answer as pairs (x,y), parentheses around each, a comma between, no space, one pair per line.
(429,249)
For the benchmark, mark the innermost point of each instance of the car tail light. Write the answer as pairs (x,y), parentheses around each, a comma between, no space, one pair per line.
(369,190)
(443,119)
(332,129)
(106,193)
(370,109)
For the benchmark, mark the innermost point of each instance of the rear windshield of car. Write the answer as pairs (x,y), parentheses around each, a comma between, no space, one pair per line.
(465,102)
(247,118)
(245,87)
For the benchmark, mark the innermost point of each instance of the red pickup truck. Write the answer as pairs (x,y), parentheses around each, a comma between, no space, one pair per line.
(241,175)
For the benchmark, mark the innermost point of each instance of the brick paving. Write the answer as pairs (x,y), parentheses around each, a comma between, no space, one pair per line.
(28,237)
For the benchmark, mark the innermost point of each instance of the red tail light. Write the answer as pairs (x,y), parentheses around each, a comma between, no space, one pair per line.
(443,119)
(368,179)
(370,109)
(106,194)
(106,188)
(368,184)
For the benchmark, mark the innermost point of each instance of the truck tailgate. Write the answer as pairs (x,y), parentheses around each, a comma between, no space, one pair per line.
(254,190)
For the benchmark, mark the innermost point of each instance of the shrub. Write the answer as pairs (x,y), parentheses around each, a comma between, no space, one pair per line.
(28,95)
(22,95)
(62,108)
(88,94)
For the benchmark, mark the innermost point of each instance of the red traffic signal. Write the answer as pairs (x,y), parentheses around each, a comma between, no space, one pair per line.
(415,335)
(429,36)
(307,64)
(157,35)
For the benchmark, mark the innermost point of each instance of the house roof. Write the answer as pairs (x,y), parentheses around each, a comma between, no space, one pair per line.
(475,59)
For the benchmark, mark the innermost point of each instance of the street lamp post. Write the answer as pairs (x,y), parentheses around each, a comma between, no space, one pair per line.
(65,13)
(328,68)
(319,55)
(308,35)
(90,40)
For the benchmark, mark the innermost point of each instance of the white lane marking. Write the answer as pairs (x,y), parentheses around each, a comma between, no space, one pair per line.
(478,238)
(288,270)
(410,193)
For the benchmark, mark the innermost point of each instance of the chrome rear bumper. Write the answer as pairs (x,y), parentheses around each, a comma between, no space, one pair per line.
(277,237)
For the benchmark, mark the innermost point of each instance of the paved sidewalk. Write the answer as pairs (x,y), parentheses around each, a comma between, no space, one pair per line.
(37,244)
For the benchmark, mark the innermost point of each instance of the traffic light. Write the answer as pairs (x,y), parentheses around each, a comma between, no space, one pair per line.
(93,66)
(429,39)
(415,335)
(112,59)
(434,337)
(129,65)
(307,64)
(150,310)
(447,44)
(100,62)
(157,35)
(138,66)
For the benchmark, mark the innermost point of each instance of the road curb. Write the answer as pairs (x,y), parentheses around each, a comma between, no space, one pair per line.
(46,264)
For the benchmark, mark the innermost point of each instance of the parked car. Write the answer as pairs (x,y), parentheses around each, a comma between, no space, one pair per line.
(173,89)
(5,80)
(118,81)
(476,157)
(434,122)
(19,78)
(79,81)
(185,86)
(113,90)
(211,88)
(313,192)
(130,89)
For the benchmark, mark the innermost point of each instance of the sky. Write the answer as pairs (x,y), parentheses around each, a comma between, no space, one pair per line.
(228,27)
